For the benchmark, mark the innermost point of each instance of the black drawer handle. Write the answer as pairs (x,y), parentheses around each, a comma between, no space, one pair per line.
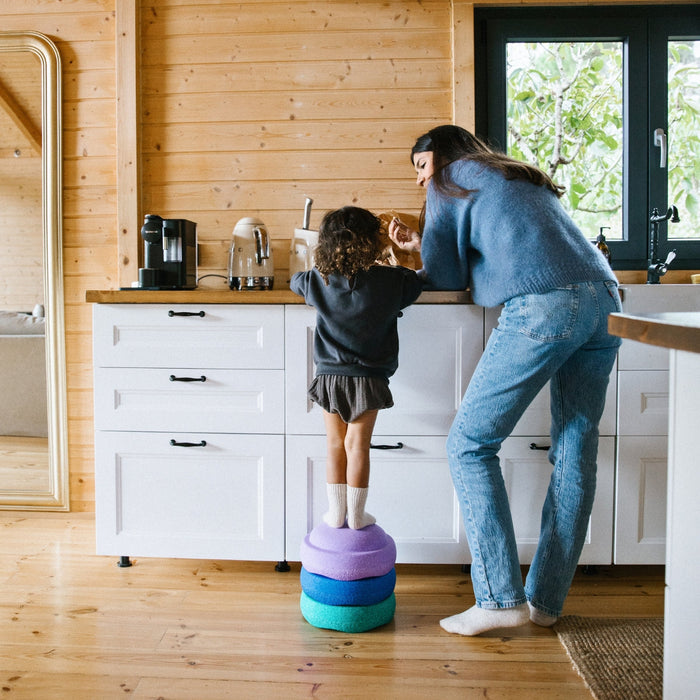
(397,446)
(173,378)
(535,446)
(175,443)
(172,313)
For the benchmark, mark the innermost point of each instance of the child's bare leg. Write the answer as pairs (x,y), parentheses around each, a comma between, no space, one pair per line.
(357,441)
(336,470)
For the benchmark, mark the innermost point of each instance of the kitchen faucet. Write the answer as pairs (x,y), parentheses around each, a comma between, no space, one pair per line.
(655,268)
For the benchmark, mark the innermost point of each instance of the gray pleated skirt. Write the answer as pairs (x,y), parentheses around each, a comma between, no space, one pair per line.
(350,397)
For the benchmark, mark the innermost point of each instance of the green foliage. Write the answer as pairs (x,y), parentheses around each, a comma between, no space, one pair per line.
(565,116)
(684,137)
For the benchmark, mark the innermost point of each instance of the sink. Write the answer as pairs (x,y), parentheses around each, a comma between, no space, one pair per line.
(656,298)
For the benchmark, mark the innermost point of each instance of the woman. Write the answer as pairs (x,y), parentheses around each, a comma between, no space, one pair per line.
(495,225)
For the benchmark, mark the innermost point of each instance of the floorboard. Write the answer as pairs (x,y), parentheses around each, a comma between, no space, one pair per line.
(74,625)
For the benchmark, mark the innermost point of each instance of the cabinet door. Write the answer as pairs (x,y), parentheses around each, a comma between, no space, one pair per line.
(643,402)
(527,473)
(537,418)
(236,336)
(640,500)
(410,495)
(439,346)
(224,500)
(226,401)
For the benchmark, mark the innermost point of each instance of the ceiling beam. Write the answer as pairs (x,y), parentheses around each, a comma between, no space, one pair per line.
(20,119)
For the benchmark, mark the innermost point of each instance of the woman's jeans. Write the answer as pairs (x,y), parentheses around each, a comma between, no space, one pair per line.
(560,336)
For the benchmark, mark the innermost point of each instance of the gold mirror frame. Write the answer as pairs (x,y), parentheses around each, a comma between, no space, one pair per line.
(56,497)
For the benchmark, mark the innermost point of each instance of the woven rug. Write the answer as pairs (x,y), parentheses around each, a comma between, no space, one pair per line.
(618,658)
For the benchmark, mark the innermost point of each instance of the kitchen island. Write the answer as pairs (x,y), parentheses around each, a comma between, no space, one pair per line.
(680,332)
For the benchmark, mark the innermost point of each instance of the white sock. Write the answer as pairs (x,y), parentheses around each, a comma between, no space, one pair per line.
(541,618)
(477,620)
(357,518)
(337,505)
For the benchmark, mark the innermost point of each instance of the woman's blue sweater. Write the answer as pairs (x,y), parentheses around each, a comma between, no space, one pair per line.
(509,237)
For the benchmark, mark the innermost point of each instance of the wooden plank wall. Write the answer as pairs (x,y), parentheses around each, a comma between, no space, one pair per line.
(250,106)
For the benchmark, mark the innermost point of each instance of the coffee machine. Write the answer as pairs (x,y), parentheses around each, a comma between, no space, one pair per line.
(170,253)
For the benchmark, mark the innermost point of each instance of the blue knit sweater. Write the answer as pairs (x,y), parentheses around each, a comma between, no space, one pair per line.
(508,238)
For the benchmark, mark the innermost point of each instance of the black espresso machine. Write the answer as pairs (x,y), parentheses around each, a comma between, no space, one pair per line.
(170,253)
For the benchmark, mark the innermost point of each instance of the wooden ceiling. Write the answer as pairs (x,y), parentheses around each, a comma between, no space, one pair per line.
(20,105)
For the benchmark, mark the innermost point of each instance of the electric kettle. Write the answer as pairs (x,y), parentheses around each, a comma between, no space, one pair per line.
(250,263)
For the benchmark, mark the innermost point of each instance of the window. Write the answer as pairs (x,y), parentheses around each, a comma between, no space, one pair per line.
(607,100)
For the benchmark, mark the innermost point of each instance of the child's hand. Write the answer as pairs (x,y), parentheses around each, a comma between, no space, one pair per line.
(403,236)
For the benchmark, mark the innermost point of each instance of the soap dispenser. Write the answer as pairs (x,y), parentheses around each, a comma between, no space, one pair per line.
(601,245)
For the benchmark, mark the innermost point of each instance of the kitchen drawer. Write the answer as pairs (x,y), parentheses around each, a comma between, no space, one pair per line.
(228,401)
(223,501)
(643,402)
(237,336)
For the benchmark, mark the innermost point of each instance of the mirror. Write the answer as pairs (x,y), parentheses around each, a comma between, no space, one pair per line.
(33,430)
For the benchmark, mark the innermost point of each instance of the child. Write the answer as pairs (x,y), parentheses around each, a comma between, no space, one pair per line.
(356,348)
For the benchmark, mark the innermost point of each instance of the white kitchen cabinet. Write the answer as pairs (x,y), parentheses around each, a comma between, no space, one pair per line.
(527,472)
(189,419)
(439,347)
(410,488)
(642,461)
(410,494)
(643,420)
(641,490)
(193,495)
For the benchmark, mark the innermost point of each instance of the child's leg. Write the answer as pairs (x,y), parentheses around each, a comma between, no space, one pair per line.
(336,468)
(357,440)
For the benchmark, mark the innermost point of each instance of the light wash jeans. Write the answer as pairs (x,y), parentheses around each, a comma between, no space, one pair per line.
(559,336)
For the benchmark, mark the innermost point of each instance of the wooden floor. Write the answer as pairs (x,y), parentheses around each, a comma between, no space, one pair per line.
(74,625)
(24,464)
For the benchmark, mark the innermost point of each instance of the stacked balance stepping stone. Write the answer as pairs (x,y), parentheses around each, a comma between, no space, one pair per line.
(348,578)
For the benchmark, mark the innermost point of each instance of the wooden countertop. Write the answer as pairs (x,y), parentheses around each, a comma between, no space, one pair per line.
(678,330)
(228,296)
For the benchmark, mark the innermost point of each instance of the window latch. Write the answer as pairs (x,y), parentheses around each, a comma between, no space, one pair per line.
(660,142)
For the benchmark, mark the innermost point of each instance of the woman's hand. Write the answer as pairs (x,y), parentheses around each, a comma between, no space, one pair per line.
(404,237)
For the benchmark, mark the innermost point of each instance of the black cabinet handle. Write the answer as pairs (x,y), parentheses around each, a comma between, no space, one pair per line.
(172,313)
(175,443)
(397,446)
(535,446)
(173,378)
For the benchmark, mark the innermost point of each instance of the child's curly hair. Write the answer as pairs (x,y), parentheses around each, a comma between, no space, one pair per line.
(348,241)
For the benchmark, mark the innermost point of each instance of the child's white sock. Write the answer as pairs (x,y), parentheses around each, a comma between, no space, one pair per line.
(477,620)
(541,618)
(337,505)
(357,518)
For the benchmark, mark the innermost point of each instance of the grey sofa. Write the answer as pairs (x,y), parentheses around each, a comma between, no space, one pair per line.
(22,375)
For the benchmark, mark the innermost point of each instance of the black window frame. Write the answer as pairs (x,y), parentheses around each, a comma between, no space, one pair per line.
(643,31)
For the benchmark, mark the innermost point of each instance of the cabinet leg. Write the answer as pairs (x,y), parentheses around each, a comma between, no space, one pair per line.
(124,562)
(466,568)
(282,566)
(589,569)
